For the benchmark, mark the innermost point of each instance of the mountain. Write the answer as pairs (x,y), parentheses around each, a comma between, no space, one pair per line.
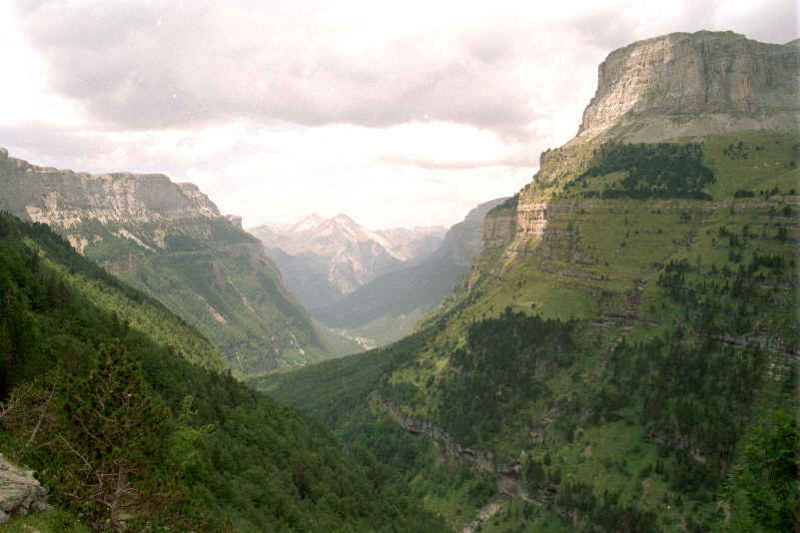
(693,84)
(623,355)
(127,435)
(386,308)
(170,241)
(414,244)
(322,259)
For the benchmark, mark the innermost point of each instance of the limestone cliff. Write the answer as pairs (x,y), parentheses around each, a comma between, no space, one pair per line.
(63,198)
(703,82)
(171,241)
(668,87)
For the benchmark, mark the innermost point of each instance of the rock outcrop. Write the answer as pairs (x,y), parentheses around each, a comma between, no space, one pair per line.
(482,461)
(700,81)
(64,198)
(668,87)
(236,220)
(19,492)
(499,224)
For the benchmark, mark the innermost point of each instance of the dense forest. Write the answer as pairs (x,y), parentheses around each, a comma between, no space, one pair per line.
(663,170)
(127,435)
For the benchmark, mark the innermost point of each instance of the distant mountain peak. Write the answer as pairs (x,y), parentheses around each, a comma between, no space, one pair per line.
(308,223)
(341,217)
(341,252)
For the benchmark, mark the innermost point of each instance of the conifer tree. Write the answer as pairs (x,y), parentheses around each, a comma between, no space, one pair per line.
(112,434)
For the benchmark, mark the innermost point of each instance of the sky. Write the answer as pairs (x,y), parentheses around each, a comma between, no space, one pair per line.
(395,113)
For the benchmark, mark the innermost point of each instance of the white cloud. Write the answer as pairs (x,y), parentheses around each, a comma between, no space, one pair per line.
(395,113)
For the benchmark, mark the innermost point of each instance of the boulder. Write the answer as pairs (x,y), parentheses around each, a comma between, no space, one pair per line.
(19,491)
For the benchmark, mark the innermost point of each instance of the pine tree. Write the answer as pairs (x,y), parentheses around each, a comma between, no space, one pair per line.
(111,436)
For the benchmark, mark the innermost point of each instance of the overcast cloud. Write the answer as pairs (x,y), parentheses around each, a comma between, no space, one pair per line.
(396,114)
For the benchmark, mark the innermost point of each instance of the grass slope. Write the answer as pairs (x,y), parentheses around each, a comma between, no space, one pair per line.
(682,309)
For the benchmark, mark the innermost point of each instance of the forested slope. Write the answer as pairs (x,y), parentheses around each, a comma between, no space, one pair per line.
(128,435)
(632,368)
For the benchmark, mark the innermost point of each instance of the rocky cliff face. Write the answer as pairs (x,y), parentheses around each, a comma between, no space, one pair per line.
(170,241)
(673,86)
(63,198)
(465,240)
(499,225)
(684,75)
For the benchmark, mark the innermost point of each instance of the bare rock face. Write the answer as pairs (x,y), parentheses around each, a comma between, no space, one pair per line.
(236,220)
(703,73)
(63,198)
(499,227)
(19,491)
(672,86)
(466,239)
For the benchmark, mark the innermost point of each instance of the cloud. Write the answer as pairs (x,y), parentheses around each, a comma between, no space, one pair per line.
(38,137)
(396,113)
(144,65)
(147,65)
(519,161)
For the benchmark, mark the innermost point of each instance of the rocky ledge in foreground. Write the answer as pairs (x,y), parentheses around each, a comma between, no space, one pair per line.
(19,492)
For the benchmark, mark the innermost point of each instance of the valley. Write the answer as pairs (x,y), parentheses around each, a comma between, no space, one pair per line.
(615,347)
(623,336)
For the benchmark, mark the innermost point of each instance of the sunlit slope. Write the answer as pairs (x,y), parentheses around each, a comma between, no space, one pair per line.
(617,355)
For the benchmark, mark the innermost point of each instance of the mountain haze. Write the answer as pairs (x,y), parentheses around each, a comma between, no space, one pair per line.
(411,291)
(323,259)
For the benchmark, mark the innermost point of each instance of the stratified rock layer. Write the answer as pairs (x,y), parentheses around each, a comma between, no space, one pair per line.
(704,73)
(669,87)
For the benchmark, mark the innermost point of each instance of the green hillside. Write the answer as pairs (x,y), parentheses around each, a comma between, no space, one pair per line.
(127,435)
(169,241)
(634,368)
(214,276)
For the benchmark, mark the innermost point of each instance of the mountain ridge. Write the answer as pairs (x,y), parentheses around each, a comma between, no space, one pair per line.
(739,83)
(627,335)
(170,241)
(414,290)
(323,259)
(679,85)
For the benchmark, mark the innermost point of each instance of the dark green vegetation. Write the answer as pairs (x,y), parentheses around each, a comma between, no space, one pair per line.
(128,435)
(342,393)
(221,284)
(635,368)
(664,170)
(500,371)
